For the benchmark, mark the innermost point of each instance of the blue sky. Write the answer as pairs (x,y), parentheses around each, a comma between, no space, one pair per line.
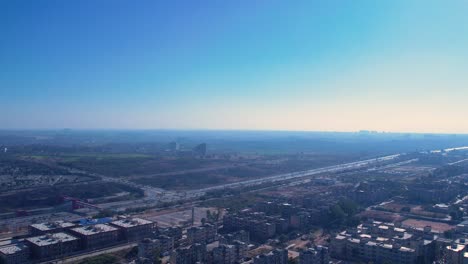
(289,65)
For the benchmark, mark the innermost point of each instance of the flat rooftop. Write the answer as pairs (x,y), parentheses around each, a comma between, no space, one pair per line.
(52,225)
(51,239)
(131,222)
(12,249)
(456,248)
(95,229)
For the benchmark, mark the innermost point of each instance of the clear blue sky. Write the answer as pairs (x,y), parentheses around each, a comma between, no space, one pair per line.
(396,65)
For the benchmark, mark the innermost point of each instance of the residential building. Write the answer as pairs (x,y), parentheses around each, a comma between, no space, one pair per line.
(315,255)
(52,227)
(52,245)
(14,254)
(224,254)
(132,229)
(148,247)
(277,256)
(189,255)
(96,236)
(202,234)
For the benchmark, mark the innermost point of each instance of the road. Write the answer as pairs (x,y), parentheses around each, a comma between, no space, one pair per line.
(82,256)
(155,196)
(293,175)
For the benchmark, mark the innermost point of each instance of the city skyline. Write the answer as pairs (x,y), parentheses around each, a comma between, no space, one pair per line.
(395,66)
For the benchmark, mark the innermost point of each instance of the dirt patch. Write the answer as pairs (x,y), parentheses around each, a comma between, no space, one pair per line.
(436,226)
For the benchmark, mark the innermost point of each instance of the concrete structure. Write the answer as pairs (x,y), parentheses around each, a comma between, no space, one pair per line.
(51,246)
(241,235)
(174,231)
(259,227)
(383,242)
(14,254)
(225,254)
(241,249)
(202,234)
(462,227)
(277,256)
(189,255)
(315,255)
(52,227)
(300,220)
(96,236)
(454,253)
(132,229)
(148,248)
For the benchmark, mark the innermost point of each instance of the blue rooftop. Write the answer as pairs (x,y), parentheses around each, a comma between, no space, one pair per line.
(87,221)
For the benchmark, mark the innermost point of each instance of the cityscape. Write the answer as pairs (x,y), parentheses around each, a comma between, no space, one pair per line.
(223,203)
(233,132)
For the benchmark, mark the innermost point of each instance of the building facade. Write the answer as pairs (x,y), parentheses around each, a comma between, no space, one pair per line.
(96,236)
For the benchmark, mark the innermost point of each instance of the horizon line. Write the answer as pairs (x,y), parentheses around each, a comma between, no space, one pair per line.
(233,130)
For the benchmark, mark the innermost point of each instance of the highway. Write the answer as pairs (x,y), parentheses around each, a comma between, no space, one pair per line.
(292,175)
(154,196)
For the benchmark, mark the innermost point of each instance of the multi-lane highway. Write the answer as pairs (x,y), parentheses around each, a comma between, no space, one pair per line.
(292,175)
(154,196)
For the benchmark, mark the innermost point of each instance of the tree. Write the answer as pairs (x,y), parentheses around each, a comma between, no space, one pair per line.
(348,206)
(157,256)
(406,209)
(101,259)
(337,212)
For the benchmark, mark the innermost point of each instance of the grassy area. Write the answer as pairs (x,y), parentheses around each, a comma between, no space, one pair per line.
(50,196)
(68,157)
(234,203)
(127,165)
(101,259)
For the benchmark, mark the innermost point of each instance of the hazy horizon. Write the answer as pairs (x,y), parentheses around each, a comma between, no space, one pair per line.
(362,131)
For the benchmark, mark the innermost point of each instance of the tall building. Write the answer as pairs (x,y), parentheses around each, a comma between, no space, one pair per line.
(52,245)
(381,242)
(189,255)
(132,229)
(96,236)
(148,247)
(174,146)
(277,256)
(14,254)
(52,227)
(315,255)
(200,149)
(224,254)
(202,234)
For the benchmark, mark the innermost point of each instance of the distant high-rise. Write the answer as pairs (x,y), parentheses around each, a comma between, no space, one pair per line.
(200,149)
(174,146)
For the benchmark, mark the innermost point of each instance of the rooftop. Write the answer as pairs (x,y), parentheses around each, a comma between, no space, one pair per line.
(88,221)
(50,239)
(12,249)
(456,248)
(95,229)
(52,225)
(131,222)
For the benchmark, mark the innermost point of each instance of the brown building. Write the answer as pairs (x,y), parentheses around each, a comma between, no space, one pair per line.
(96,236)
(134,228)
(51,246)
(46,228)
(14,254)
